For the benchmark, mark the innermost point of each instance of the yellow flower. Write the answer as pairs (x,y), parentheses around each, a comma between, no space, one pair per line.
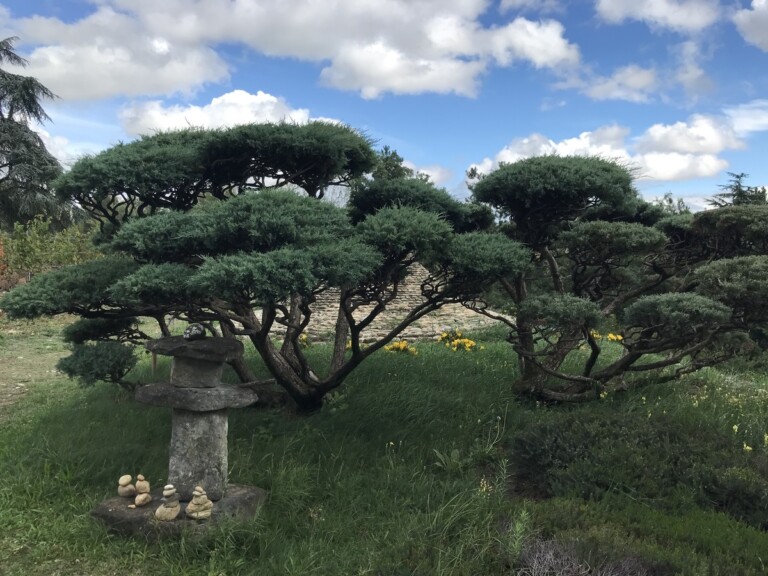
(735,428)
(747,447)
(603,394)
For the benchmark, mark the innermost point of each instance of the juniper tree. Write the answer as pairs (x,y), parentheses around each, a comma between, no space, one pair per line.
(196,227)
(682,291)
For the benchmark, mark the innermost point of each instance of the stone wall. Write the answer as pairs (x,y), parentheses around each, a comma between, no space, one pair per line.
(325,311)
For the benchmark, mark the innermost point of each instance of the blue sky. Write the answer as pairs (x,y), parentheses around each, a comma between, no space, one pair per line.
(678,89)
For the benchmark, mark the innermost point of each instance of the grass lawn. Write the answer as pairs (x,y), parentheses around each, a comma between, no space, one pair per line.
(420,464)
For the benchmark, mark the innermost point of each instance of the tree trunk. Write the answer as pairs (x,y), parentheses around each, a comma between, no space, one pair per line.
(341,334)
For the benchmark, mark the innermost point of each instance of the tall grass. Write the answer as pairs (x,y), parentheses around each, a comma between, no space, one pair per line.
(415,466)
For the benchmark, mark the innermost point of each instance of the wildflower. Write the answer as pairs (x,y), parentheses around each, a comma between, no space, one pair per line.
(400,346)
(765,439)
(485,486)
(747,447)
(735,428)
(615,337)
(603,394)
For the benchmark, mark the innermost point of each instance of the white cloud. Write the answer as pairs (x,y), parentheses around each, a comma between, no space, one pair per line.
(533,5)
(749,117)
(132,47)
(438,175)
(689,74)
(752,24)
(376,68)
(679,151)
(678,15)
(670,166)
(540,43)
(699,135)
(632,83)
(109,53)
(63,149)
(236,107)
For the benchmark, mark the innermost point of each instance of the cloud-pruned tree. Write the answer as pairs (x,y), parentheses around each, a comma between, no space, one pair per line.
(224,227)
(679,291)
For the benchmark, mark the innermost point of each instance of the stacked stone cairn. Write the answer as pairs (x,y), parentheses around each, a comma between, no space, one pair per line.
(200,507)
(198,450)
(124,486)
(143,497)
(170,507)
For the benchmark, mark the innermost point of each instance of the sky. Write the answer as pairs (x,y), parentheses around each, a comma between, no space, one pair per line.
(675,89)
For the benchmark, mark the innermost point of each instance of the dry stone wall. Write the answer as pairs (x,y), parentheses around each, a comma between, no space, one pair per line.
(325,310)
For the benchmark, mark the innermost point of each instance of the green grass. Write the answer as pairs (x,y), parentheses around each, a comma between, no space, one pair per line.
(418,465)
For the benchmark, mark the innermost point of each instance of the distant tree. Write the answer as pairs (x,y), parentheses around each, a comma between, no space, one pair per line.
(679,292)
(736,193)
(671,205)
(249,258)
(390,166)
(26,166)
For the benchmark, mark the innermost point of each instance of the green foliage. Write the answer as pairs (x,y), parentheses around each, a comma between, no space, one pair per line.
(651,459)
(158,284)
(671,205)
(540,194)
(175,170)
(259,278)
(736,193)
(739,283)
(27,167)
(560,312)
(99,362)
(86,329)
(600,243)
(398,231)
(248,223)
(370,196)
(35,247)
(74,289)
(501,257)
(672,315)
(733,230)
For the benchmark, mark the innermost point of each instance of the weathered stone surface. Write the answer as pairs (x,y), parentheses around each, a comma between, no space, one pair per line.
(325,313)
(142,484)
(194,373)
(194,332)
(142,499)
(196,399)
(240,503)
(126,491)
(208,349)
(124,480)
(198,452)
(169,510)
(200,508)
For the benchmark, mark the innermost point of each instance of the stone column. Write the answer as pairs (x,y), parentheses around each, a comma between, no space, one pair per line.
(200,403)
